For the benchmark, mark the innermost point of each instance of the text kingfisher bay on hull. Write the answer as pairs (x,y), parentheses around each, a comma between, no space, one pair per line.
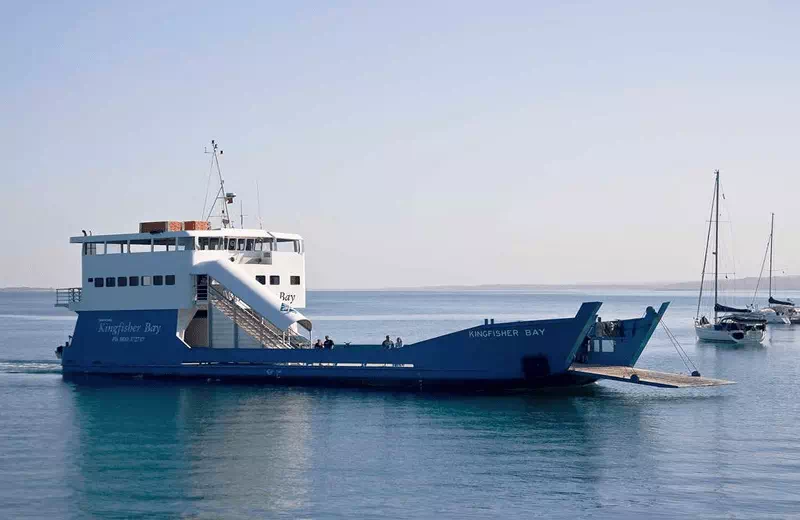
(505,333)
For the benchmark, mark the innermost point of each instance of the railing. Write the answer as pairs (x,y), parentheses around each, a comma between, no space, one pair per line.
(68,296)
(267,334)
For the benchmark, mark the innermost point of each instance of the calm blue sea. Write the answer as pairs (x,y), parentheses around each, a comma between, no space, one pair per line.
(195,450)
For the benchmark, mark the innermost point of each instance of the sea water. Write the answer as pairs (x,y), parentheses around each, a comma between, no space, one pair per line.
(139,449)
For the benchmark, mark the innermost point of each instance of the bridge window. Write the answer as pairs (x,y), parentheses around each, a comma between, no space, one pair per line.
(274,279)
(133,281)
(260,278)
(122,281)
(158,280)
(294,280)
(185,244)
(164,244)
(98,282)
(169,279)
(140,246)
(111,281)
(288,246)
(115,247)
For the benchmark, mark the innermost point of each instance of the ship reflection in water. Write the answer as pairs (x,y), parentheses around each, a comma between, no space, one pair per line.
(234,450)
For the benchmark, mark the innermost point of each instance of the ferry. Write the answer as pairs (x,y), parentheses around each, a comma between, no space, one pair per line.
(187,299)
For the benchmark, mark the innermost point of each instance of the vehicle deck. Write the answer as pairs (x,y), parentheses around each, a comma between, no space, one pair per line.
(645,377)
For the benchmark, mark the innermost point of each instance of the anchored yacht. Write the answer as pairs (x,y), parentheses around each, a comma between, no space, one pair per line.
(186,299)
(729,324)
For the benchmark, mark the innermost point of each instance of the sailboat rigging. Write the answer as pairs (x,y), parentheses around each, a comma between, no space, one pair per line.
(729,324)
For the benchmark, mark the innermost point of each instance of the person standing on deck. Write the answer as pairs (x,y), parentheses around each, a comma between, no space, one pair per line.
(387,343)
(398,343)
(328,343)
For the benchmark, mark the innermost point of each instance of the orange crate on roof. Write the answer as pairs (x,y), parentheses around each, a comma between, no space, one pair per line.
(160,226)
(196,225)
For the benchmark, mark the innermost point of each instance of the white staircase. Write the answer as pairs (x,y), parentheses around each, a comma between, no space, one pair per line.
(259,328)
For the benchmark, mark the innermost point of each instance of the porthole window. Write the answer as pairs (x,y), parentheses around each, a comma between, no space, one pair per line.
(294,280)
(98,282)
(147,280)
(169,279)
(158,280)
(274,279)
(260,278)
(122,281)
(111,281)
(133,281)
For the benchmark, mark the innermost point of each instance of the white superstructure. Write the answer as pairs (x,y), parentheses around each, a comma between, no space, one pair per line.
(140,271)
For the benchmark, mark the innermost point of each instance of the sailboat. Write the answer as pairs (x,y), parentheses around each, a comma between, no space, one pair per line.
(729,324)
(784,309)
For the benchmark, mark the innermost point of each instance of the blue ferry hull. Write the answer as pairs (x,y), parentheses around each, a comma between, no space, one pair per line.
(521,354)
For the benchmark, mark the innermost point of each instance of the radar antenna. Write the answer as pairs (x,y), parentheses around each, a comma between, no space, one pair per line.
(223,198)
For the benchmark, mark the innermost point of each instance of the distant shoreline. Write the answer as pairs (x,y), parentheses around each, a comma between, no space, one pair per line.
(779,284)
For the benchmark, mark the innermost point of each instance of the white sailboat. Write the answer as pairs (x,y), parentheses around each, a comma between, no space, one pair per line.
(729,324)
(784,310)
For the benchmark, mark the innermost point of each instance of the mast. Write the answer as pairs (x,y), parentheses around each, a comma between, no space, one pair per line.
(705,255)
(716,243)
(223,198)
(771,235)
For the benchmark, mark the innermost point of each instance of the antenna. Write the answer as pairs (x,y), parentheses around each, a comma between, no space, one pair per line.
(258,201)
(241,214)
(223,198)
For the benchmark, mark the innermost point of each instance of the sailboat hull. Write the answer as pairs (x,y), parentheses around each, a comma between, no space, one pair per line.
(772,316)
(715,334)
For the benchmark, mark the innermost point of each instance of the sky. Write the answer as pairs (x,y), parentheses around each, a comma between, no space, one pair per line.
(410,143)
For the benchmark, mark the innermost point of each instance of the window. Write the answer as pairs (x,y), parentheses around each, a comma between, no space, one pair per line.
(231,244)
(164,244)
(147,280)
(288,246)
(249,245)
(260,278)
(274,279)
(91,280)
(116,247)
(158,280)
(185,243)
(169,279)
(111,281)
(122,281)
(140,245)
(133,281)
(242,241)
(98,282)
(294,280)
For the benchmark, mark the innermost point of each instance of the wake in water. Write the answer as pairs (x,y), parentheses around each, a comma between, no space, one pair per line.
(29,367)
(38,317)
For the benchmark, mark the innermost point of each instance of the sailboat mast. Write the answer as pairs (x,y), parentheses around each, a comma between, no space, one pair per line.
(771,235)
(716,244)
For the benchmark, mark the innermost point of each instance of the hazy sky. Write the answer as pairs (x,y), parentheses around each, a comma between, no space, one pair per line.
(410,143)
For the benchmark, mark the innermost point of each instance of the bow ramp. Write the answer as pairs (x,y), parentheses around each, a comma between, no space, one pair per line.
(644,377)
(252,307)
